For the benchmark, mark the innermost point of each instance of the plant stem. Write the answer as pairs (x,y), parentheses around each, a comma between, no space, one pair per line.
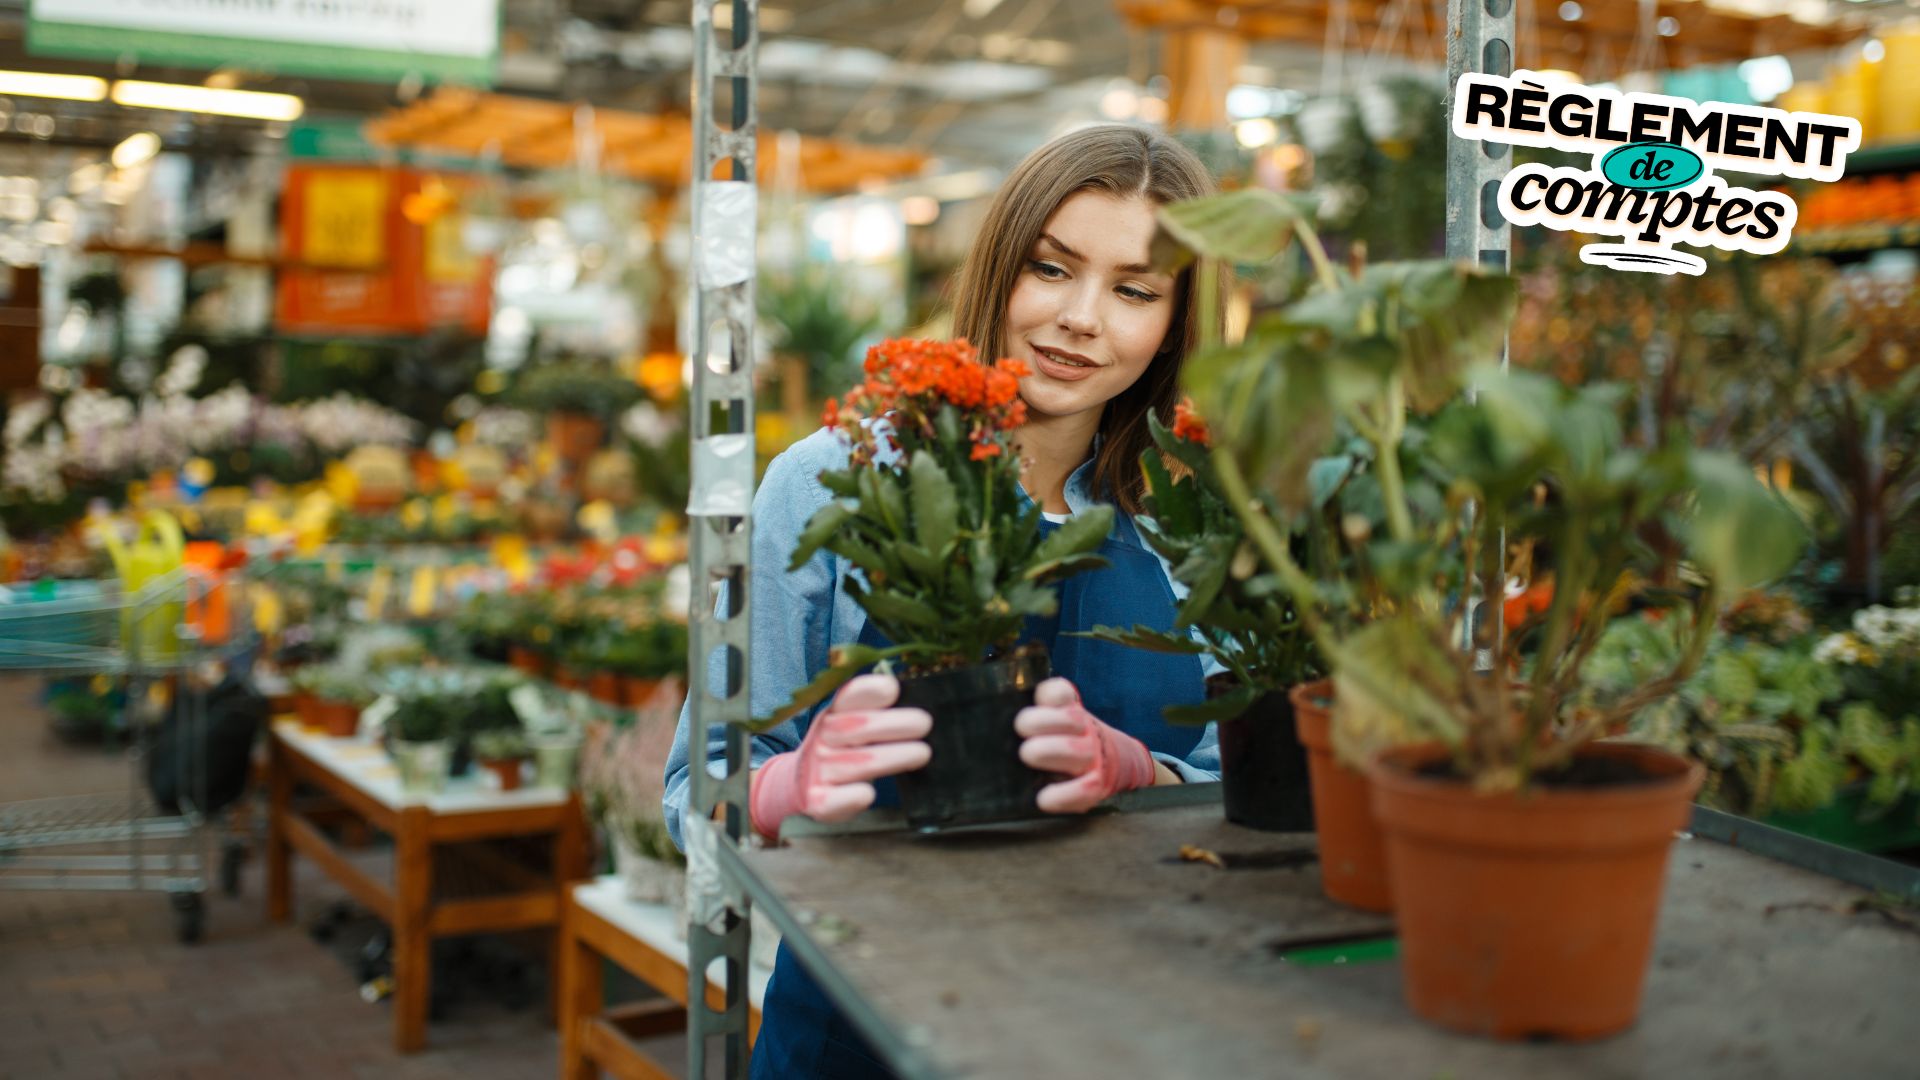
(1267,538)
(1310,240)
(1386,445)
(1207,284)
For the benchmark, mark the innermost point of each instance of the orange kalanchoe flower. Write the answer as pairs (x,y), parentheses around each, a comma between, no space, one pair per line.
(1187,424)
(910,381)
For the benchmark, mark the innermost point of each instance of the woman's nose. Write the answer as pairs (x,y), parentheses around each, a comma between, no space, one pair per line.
(1078,314)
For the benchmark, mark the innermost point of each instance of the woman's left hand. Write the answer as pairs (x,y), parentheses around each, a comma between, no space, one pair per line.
(1060,735)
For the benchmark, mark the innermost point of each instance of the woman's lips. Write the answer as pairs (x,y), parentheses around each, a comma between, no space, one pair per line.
(1054,369)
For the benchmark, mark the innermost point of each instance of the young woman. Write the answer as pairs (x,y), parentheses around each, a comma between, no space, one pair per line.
(1060,278)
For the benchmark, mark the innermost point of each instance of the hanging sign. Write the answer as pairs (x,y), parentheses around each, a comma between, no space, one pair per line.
(380,40)
(1652,180)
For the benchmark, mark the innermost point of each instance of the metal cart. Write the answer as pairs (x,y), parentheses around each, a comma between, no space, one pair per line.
(120,840)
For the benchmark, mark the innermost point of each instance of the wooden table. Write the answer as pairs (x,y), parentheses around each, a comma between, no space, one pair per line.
(356,779)
(1088,948)
(649,942)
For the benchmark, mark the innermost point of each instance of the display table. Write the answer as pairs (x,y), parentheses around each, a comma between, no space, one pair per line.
(1090,948)
(356,779)
(649,942)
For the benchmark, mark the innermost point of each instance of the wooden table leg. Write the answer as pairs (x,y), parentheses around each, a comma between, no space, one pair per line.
(279,852)
(412,948)
(580,999)
(569,867)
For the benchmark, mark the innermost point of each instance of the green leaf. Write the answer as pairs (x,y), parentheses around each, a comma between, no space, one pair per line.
(1055,569)
(1225,707)
(822,527)
(1175,505)
(892,608)
(841,482)
(1027,598)
(1192,455)
(986,569)
(1145,637)
(934,505)
(1739,534)
(846,662)
(1081,533)
(1249,226)
(925,566)
(1393,684)
(880,495)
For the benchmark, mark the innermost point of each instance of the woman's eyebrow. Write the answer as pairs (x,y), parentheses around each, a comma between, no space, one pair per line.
(1130,268)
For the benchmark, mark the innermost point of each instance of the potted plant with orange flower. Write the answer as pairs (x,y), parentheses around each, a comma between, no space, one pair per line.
(1244,618)
(951,561)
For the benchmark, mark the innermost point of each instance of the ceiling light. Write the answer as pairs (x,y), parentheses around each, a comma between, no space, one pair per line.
(1873,51)
(1668,26)
(920,209)
(136,149)
(205,99)
(41,84)
(979,9)
(1256,133)
(1570,11)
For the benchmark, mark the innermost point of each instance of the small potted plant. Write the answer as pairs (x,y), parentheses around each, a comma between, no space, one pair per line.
(577,397)
(553,725)
(501,751)
(1526,857)
(419,729)
(656,653)
(1246,621)
(335,697)
(951,564)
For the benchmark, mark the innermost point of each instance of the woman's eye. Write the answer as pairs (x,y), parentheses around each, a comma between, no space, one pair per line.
(1141,295)
(1046,270)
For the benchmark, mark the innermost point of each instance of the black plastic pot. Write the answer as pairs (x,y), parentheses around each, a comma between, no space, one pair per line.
(1263,768)
(975,776)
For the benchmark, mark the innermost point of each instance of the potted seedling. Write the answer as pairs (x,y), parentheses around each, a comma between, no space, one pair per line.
(1526,857)
(419,727)
(553,732)
(951,562)
(501,751)
(1245,620)
(577,397)
(656,652)
(335,696)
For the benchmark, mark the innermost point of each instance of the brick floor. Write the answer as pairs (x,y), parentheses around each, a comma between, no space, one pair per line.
(93,984)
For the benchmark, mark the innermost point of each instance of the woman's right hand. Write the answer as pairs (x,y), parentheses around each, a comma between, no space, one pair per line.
(854,741)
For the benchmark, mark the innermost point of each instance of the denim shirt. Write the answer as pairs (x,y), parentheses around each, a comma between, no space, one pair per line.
(797,617)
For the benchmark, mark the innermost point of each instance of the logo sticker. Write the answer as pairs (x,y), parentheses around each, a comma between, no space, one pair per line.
(1652,182)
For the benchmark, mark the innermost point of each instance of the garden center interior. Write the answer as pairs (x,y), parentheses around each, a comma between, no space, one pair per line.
(387,384)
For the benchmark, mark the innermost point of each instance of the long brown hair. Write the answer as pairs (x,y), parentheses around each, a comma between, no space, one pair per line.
(1119,160)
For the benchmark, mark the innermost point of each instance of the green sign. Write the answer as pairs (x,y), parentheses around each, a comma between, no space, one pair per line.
(377,40)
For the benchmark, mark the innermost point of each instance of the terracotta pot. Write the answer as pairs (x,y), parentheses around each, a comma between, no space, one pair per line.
(336,718)
(507,772)
(575,436)
(1353,858)
(303,704)
(636,691)
(525,659)
(566,678)
(604,686)
(1530,915)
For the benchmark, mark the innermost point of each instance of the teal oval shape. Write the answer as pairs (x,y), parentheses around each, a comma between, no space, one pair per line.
(1652,166)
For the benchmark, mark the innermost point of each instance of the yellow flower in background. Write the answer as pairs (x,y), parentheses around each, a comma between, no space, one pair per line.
(597,520)
(663,549)
(413,514)
(444,509)
(341,483)
(660,375)
(772,433)
(263,519)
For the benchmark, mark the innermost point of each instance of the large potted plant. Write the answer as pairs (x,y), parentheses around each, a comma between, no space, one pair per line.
(1497,801)
(950,563)
(1243,618)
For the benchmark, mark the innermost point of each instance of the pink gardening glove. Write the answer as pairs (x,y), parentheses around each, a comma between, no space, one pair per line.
(1062,736)
(855,740)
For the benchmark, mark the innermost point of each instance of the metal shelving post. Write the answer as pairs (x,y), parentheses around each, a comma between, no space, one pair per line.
(1479,39)
(724,231)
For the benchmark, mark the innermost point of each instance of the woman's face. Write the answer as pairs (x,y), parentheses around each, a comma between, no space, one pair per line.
(1088,314)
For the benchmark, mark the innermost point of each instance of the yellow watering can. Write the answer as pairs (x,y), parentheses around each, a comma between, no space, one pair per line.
(149,628)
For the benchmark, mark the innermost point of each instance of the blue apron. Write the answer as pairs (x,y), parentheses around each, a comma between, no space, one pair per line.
(801,1033)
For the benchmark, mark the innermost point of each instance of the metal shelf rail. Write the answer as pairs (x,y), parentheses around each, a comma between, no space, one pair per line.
(720,505)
